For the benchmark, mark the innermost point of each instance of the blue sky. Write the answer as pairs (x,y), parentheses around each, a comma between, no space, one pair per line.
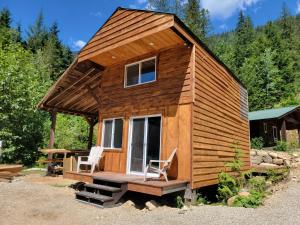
(78,20)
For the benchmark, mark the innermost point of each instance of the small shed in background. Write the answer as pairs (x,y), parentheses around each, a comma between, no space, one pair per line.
(275,124)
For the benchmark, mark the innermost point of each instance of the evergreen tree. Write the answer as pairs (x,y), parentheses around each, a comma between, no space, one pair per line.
(5,18)
(197,19)
(57,56)
(37,34)
(244,37)
(285,22)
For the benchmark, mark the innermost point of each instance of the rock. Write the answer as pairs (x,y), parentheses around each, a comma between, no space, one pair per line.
(287,163)
(268,165)
(231,200)
(256,159)
(268,184)
(185,208)
(278,161)
(244,193)
(129,204)
(274,155)
(267,159)
(295,154)
(283,156)
(151,205)
(262,153)
(297,159)
(252,152)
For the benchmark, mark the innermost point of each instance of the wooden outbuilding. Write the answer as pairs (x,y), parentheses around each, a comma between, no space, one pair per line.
(153,86)
(272,124)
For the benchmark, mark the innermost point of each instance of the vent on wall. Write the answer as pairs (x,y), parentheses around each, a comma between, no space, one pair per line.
(244,103)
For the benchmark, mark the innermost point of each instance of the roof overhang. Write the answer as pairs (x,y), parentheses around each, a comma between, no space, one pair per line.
(78,92)
(75,92)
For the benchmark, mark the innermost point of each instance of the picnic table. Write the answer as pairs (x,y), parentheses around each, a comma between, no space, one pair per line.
(56,157)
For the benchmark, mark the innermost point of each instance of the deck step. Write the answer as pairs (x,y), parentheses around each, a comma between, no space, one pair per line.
(109,180)
(103,187)
(89,195)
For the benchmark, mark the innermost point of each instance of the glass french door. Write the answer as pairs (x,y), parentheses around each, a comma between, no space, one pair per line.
(144,142)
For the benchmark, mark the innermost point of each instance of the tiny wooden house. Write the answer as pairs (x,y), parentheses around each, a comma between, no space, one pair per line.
(153,86)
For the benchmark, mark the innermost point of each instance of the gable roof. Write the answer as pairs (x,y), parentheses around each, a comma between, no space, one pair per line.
(176,20)
(76,91)
(271,113)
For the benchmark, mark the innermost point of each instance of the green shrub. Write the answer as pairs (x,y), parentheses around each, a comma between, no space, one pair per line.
(179,202)
(276,176)
(281,146)
(257,143)
(254,200)
(201,199)
(257,184)
(227,186)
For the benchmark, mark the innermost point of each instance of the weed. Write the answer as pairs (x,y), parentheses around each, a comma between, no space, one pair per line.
(179,202)
(257,143)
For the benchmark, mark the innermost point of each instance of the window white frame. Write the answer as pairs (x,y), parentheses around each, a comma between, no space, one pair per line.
(112,133)
(140,72)
(146,117)
(275,133)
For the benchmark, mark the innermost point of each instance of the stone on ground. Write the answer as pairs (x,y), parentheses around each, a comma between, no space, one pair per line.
(231,200)
(151,205)
(129,204)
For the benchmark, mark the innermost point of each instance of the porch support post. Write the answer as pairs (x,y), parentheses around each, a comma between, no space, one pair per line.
(190,196)
(283,131)
(52,129)
(299,136)
(91,121)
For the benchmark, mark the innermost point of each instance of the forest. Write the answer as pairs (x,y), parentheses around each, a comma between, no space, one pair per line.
(265,58)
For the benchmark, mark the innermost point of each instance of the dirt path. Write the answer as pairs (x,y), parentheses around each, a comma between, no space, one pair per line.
(34,201)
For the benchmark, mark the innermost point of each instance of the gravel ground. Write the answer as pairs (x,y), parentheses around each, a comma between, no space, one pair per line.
(28,201)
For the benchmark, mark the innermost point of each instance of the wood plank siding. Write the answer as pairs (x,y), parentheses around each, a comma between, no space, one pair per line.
(203,106)
(170,95)
(217,120)
(124,26)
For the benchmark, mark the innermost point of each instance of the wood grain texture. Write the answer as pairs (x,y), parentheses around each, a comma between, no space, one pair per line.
(217,121)
(124,27)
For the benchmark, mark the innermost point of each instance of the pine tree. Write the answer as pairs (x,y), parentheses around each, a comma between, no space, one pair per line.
(37,34)
(5,18)
(244,37)
(285,22)
(56,55)
(197,19)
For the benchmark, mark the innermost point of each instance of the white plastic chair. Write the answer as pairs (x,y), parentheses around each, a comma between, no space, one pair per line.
(166,164)
(92,159)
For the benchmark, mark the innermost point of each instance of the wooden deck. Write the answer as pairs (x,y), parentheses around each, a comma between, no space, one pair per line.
(134,183)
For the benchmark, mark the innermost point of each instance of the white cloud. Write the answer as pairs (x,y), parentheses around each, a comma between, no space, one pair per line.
(298,7)
(79,44)
(226,8)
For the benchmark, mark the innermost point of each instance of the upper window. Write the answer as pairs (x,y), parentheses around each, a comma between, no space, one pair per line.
(112,133)
(140,72)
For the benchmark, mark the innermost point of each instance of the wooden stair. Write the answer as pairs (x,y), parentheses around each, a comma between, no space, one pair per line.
(102,193)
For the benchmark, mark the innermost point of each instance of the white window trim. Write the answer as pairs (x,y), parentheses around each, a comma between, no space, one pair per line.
(128,166)
(140,72)
(112,133)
